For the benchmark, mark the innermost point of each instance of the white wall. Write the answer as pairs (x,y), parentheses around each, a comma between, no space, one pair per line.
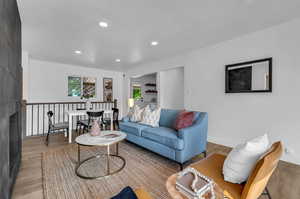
(171,88)
(48,81)
(233,118)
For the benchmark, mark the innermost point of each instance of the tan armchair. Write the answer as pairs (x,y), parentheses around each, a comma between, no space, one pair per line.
(256,184)
(142,194)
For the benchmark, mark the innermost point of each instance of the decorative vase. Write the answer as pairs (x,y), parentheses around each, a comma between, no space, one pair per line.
(95,131)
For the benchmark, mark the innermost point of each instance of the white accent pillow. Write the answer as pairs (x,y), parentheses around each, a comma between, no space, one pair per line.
(136,115)
(241,160)
(151,117)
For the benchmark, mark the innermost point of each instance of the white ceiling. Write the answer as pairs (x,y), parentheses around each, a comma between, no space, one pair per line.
(54,29)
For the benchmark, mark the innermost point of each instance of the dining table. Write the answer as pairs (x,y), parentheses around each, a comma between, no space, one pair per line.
(77,113)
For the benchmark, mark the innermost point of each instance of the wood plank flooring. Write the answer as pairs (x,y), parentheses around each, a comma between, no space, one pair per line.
(285,182)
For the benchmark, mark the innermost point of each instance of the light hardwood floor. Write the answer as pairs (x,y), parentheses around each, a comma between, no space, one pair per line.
(285,182)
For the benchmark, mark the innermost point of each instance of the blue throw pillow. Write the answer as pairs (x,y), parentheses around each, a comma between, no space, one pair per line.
(126,193)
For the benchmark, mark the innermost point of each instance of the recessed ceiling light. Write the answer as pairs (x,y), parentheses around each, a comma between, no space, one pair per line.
(103,24)
(154,43)
(78,52)
(118,60)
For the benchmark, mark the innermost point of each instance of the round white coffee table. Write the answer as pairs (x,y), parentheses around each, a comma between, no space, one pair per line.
(107,138)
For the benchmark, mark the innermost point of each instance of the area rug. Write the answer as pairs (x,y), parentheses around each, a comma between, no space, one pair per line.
(143,169)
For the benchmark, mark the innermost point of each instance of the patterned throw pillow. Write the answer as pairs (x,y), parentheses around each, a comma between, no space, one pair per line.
(150,117)
(184,119)
(136,114)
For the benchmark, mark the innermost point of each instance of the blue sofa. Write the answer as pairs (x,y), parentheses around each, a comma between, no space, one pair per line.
(179,146)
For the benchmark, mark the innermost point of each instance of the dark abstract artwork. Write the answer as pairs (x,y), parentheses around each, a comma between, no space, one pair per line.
(240,79)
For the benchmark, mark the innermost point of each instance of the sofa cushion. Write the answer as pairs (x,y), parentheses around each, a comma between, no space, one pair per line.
(132,127)
(184,119)
(168,117)
(242,159)
(136,115)
(151,117)
(165,136)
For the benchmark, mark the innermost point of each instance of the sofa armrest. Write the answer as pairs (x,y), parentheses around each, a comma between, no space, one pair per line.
(195,136)
(199,127)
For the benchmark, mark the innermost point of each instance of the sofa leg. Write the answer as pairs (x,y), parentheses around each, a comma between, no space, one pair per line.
(205,153)
(185,163)
(181,166)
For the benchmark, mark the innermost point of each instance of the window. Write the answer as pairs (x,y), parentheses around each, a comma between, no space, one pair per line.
(74,86)
(136,92)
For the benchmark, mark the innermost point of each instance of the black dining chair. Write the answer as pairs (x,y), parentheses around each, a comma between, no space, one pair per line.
(80,122)
(107,121)
(92,116)
(55,127)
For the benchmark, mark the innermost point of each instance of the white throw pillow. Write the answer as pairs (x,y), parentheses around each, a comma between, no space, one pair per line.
(241,160)
(136,115)
(150,117)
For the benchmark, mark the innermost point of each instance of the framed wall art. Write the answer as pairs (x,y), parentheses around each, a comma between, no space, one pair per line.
(107,89)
